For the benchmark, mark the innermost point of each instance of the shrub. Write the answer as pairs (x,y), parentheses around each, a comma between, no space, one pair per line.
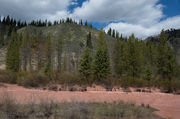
(76,110)
(8,77)
(32,79)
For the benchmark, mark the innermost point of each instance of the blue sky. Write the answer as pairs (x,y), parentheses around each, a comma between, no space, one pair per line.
(171,7)
(141,17)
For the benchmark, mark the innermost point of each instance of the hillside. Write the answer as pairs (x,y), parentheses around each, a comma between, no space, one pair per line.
(74,41)
(173,37)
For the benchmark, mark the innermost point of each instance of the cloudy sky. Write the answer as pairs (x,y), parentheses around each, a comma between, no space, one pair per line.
(141,17)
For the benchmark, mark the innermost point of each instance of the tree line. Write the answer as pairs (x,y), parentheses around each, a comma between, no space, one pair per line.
(40,23)
(131,57)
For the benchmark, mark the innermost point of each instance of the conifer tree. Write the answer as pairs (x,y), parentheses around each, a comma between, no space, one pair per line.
(81,22)
(148,73)
(110,31)
(117,35)
(86,23)
(113,33)
(13,55)
(166,58)
(101,64)
(118,57)
(133,57)
(89,42)
(85,68)
(171,63)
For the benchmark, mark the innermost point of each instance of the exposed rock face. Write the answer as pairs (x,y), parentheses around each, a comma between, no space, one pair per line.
(2,58)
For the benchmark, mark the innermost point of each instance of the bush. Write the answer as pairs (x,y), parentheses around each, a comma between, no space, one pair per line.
(76,110)
(8,77)
(132,82)
(68,79)
(32,79)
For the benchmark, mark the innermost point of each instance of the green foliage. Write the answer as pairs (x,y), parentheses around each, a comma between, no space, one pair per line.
(133,57)
(101,60)
(13,53)
(113,33)
(118,57)
(86,64)
(110,32)
(148,73)
(166,59)
(86,23)
(89,42)
(32,79)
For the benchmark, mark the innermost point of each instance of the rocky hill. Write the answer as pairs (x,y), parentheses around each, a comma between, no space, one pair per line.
(74,41)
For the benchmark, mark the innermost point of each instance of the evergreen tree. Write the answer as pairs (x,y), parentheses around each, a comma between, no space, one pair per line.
(110,31)
(166,58)
(171,63)
(89,42)
(118,57)
(85,68)
(49,23)
(13,55)
(81,22)
(101,59)
(117,35)
(86,24)
(133,57)
(113,33)
(148,73)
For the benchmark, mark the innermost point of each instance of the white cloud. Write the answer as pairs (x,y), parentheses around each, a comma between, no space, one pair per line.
(141,31)
(141,17)
(33,9)
(144,12)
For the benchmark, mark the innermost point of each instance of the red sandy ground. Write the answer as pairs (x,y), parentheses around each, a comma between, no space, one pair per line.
(167,104)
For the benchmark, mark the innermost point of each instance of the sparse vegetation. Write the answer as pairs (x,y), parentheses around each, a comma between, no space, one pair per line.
(10,109)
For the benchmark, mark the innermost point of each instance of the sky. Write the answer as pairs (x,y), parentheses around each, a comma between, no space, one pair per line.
(142,17)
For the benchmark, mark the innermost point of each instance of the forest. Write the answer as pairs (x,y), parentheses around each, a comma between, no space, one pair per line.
(33,60)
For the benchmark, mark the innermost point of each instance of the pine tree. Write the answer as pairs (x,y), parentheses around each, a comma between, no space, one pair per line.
(171,63)
(133,57)
(117,35)
(166,58)
(113,33)
(81,22)
(85,68)
(13,55)
(101,59)
(118,57)
(86,23)
(110,31)
(148,73)
(89,42)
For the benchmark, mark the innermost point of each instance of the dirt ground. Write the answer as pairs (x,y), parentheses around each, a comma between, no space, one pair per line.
(167,104)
